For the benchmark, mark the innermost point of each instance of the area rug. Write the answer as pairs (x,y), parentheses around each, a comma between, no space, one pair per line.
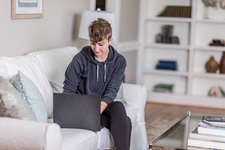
(157,124)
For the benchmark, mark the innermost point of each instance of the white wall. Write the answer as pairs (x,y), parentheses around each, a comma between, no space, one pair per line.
(130,73)
(58,28)
(128,30)
(129,20)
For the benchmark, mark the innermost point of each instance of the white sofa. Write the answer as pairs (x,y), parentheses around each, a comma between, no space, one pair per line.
(46,69)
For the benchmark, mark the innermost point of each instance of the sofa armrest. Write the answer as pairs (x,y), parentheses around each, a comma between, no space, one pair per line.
(136,95)
(21,134)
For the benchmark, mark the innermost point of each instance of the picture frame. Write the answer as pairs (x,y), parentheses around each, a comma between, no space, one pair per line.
(27,9)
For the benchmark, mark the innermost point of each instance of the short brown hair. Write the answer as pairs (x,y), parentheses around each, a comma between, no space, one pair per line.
(99,30)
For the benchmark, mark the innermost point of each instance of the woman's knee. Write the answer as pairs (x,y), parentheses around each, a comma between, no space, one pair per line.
(116,109)
(116,106)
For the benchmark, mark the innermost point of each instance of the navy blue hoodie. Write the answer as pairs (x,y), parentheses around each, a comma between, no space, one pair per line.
(86,75)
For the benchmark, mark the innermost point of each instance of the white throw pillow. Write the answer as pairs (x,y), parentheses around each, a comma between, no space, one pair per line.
(30,67)
(3,70)
(119,96)
(54,63)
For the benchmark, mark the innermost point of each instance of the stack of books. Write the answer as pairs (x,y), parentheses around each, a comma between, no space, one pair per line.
(176,11)
(163,88)
(166,65)
(210,134)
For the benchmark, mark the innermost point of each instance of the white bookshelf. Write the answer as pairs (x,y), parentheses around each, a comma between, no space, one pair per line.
(191,82)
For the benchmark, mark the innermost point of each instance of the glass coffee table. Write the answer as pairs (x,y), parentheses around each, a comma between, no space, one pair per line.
(176,137)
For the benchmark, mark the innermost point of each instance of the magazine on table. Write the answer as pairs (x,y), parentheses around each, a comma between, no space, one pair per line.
(195,135)
(212,130)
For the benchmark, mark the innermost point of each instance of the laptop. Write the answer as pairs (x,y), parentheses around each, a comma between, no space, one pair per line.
(77,111)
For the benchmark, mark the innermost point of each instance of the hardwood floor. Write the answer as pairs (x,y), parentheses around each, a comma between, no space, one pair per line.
(179,110)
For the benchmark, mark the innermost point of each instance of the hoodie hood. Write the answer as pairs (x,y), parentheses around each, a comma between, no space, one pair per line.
(89,54)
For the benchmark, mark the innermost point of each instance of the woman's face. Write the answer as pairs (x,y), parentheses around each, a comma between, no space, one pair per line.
(101,49)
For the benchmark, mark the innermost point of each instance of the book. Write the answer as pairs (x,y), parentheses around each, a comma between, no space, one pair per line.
(163,88)
(176,11)
(166,65)
(205,143)
(211,125)
(211,130)
(220,120)
(215,125)
(195,135)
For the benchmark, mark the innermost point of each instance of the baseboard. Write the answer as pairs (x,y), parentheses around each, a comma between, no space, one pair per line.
(186,105)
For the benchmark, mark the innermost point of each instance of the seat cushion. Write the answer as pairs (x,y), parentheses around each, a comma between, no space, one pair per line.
(105,139)
(79,139)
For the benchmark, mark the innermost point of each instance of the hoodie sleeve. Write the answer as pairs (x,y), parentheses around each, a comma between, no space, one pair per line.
(115,82)
(72,75)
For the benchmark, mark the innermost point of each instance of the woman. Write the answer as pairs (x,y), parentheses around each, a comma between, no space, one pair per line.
(99,69)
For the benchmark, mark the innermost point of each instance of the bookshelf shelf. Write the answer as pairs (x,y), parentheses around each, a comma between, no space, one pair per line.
(164,72)
(168,46)
(157,94)
(195,34)
(168,19)
(209,48)
(214,21)
(209,75)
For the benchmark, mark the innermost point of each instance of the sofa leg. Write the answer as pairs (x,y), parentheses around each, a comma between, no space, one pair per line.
(150,146)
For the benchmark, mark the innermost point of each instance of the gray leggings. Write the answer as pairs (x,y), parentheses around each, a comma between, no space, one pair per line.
(116,120)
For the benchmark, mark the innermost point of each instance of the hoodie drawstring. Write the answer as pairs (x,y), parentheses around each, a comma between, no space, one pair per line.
(97,72)
(104,72)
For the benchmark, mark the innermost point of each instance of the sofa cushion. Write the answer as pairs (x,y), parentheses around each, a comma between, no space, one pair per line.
(105,139)
(131,111)
(3,70)
(12,104)
(31,94)
(136,95)
(54,63)
(119,96)
(79,139)
(31,68)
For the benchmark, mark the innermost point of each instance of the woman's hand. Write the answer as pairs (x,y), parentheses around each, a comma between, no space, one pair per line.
(103,106)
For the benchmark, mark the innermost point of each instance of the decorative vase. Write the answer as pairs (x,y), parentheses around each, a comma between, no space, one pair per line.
(222,63)
(211,65)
